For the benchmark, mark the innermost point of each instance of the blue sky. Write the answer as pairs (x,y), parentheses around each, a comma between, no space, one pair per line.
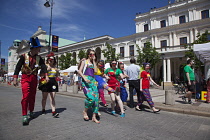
(72,19)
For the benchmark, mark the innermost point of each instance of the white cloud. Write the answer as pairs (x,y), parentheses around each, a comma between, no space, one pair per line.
(15,28)
(69,31)
(61,9)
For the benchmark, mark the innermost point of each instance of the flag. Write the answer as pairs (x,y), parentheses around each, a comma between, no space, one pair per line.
(55,43)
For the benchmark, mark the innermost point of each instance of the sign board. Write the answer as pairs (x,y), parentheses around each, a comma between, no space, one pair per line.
(2,61)
(203,95)
(55,43)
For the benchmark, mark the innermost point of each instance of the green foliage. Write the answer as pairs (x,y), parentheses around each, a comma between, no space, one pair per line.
(61,61)
(109,53)
(190,53)
(147,54)
(82,54)
(74,61)
(65,61)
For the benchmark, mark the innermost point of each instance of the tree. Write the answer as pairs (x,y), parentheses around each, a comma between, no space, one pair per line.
(190,53)
(65,61)
(147,54)
(82,54)
(109,53)
(61,61)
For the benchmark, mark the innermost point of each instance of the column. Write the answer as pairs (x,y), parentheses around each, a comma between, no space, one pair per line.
(175,42)
(191,35)
(196,33)
(152,41)
(168,70)
(155,41)
(137,28)
(164,70)
(170,39)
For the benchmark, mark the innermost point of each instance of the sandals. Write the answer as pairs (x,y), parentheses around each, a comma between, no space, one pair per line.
(85,116)
(95,120)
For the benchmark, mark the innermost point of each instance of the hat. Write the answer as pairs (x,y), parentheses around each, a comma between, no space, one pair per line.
(35,42)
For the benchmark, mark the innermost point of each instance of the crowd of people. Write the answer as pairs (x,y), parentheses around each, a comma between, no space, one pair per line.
(92,78)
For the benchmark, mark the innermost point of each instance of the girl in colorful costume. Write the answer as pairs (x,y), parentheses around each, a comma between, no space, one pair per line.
(144,87)
(123,92)
(113,74)
(89,85)
(101,83)
(50,87)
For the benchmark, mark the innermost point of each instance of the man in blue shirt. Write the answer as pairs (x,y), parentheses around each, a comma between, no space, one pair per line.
(134,82)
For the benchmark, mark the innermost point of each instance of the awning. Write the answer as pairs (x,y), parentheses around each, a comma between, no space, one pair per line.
(202,51)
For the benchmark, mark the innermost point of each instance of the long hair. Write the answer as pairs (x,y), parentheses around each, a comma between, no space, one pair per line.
(110,63)
(54,61)
(88,53)
(101,61)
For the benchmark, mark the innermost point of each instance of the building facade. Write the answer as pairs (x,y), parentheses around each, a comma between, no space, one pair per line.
(168,29)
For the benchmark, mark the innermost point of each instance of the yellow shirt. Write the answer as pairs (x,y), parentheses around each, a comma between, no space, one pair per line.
(98,72)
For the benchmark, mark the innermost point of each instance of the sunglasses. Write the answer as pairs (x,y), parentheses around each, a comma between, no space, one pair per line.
(92,54)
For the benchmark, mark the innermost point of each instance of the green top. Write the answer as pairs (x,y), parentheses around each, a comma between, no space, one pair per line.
(188,69)
(110,71)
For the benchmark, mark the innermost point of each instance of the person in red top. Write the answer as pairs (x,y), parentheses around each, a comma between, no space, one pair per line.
(29,63)
(144,87)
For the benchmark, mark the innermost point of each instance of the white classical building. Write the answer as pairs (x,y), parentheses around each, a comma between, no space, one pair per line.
(168,28)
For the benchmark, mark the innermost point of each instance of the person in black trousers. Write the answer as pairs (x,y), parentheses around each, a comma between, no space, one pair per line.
(134,82)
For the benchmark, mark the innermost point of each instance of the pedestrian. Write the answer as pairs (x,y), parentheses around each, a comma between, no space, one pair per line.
(75,78)
(61,81)
(208,86)
(29,63)
(113,74)
(99,76)
(68,80)
(51,87)
(144,87)
(189,78)
(89,84)
(134,82)
(123,91)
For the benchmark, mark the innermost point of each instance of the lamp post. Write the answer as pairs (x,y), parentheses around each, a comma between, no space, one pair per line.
(47,4)
(163,68)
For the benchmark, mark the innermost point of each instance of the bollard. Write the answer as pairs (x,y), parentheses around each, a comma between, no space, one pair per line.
(75,89)
(64,88)
(169,97)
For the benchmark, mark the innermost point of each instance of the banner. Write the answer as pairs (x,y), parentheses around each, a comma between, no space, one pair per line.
(2,61)
(55,43)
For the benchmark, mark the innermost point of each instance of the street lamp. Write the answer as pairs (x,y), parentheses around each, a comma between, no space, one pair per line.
(47,4)
(163,68)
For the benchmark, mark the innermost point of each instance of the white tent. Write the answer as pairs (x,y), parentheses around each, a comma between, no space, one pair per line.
(202,51)
(70,69)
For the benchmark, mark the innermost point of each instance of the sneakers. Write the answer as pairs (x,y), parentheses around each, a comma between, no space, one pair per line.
(31,115)
(25,120)
(122,115)
(184,98)
(55,114)
(43,111)
(190,102)
(113,113)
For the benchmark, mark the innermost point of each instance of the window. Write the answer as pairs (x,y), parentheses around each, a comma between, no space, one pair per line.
(208,37)
(183,40)
(146,27)
(205,14)
(163,23)
(121,51)
(163,43)
(131,50)
(182,19)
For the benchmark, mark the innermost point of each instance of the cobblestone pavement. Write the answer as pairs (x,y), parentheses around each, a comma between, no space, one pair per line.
(70,124)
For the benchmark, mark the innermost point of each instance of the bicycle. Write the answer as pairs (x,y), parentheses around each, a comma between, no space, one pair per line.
(180,88)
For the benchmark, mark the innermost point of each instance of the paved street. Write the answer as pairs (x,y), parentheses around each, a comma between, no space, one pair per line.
(70,125)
